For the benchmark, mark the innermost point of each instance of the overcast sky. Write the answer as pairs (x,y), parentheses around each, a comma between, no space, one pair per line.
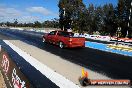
(32,10)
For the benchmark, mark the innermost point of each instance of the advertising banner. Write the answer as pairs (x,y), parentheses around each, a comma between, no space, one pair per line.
(13,77)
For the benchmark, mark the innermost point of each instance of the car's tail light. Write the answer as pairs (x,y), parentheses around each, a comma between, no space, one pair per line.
(70,40)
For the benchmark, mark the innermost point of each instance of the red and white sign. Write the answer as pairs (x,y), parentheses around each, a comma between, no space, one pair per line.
(17,82)
(5,64)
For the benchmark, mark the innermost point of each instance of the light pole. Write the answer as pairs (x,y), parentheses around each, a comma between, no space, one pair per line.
(129,18)
(64,14)
(118,33)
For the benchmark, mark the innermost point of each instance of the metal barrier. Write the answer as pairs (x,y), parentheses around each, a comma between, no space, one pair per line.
(13,77)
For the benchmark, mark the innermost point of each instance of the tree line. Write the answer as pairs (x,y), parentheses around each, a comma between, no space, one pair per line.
(54,23)
(106,19)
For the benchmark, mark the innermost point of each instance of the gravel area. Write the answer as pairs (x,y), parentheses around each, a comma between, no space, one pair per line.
(2,83)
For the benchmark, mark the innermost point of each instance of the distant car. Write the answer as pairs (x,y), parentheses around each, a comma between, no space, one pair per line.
(64,39)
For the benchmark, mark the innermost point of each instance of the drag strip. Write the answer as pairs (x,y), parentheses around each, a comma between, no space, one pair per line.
(112,65)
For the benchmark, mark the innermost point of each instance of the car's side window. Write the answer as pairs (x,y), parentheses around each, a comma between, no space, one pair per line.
(52,33)
(59,33)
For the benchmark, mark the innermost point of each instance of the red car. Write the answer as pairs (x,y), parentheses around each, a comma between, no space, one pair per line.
(64,39)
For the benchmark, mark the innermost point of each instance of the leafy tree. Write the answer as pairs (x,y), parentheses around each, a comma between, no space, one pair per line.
(109,19)
(8,23)
(90,19)
(37,24)
(71,12)
(54,23)
(15,22)
(123,16)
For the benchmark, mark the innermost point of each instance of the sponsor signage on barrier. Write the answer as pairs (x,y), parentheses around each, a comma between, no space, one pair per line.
(13,77)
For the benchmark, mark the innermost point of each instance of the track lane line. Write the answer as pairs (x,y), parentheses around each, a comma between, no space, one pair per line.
(56,78)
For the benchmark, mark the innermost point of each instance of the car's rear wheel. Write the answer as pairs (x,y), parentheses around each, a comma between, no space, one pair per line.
(61,45)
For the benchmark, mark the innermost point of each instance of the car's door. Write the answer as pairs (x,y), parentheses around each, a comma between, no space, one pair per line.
(51,36)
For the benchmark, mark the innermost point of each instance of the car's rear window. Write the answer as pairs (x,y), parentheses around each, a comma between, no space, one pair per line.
(66,34)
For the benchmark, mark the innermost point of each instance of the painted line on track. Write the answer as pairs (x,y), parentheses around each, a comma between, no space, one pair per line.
(56,78)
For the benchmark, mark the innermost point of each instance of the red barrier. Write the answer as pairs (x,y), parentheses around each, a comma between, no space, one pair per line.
(13,77)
